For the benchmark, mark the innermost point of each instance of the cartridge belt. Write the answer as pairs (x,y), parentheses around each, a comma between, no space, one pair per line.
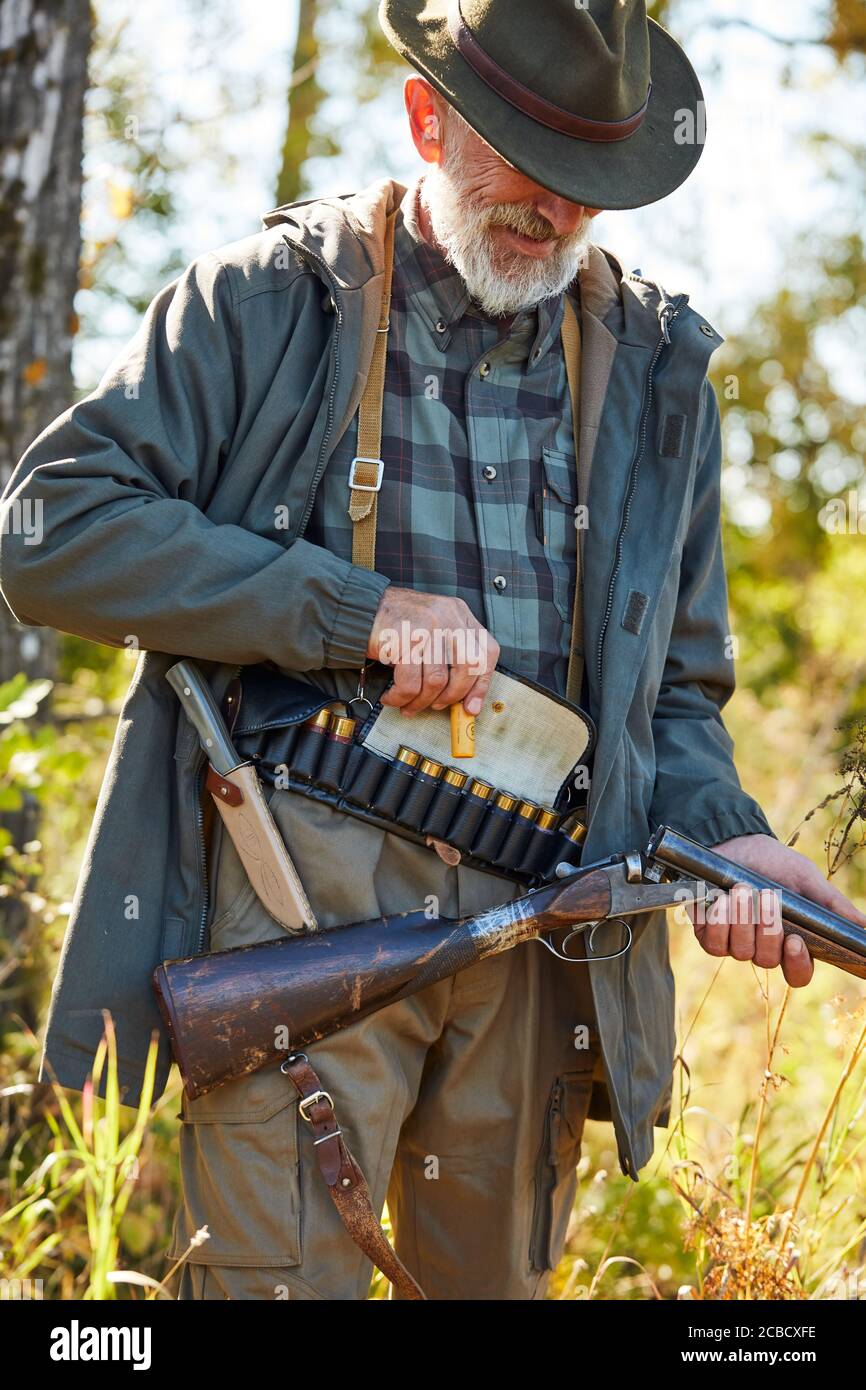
(515,809)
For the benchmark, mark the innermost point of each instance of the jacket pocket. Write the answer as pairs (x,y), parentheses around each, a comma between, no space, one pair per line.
(559,498)
(173,934)
(555,1180)
(239,1169)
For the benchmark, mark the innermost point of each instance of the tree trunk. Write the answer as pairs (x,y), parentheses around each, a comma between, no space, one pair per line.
(44,46)
(305,96)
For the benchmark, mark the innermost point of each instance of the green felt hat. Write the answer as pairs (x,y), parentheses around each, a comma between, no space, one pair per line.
(588,98)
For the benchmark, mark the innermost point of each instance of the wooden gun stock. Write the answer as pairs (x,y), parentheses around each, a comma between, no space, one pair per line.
(231,1012)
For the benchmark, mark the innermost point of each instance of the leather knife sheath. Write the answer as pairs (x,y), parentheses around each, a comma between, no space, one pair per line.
(251,828)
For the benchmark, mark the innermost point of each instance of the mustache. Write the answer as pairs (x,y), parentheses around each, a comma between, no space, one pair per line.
(517,217)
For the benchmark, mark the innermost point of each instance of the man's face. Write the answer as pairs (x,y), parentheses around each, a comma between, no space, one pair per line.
(524,218)
(513,242)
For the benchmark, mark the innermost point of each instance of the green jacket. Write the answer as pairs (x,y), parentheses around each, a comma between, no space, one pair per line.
(175,498)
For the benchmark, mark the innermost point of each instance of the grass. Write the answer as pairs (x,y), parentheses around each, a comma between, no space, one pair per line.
(756,1190)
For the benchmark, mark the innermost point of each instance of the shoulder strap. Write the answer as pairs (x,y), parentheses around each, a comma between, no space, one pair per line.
(571,345)
(365,473)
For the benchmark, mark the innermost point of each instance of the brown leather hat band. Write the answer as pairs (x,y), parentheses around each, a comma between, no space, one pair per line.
(532,105)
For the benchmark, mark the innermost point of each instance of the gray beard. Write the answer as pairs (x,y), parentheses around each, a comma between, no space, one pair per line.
(499,284)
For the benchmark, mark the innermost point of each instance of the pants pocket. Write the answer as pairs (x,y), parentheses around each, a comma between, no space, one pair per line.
(555,1181)
(239,1174)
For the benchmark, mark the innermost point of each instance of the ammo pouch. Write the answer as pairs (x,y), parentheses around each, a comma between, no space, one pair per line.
(508,810)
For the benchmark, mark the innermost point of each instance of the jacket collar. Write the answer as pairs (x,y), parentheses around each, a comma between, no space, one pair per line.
(347,233)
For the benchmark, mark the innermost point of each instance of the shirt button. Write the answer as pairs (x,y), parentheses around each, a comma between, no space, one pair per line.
(489,473)
(500,582)
(441,325)
(484,369)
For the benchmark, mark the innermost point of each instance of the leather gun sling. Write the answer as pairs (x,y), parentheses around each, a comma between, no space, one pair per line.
(345,1181)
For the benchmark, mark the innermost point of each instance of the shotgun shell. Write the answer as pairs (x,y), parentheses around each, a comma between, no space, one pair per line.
(318,723)
(576,833)
(480,789)
(462,733)
(505,801)
(410,756)
(341,727)
(455,778)
(528,810)
(546,819)
(430,767)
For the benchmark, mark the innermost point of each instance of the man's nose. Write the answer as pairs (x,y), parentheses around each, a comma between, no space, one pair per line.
(564,217)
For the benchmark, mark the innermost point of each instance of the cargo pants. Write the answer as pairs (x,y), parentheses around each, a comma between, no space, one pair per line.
(464,1104)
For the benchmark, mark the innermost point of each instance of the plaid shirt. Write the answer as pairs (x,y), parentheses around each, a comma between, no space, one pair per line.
(478,493)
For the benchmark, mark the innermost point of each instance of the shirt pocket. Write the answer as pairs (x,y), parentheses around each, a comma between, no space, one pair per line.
(558,502)
(239,1165)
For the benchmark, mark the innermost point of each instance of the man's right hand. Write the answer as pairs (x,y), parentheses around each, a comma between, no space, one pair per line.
(439,651)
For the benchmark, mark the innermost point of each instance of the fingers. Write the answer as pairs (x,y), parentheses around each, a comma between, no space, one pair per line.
(407,684)
(797,965)
(712,933)
(439,652)
(433,678)
(742,917)
(464,675)
(477,693)
(748,926)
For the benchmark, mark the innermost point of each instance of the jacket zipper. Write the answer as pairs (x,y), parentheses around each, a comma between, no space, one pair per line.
(199,824)
(544,1182)
(668,312)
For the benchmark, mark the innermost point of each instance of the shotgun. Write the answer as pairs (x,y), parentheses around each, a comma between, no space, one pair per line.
(231,1012)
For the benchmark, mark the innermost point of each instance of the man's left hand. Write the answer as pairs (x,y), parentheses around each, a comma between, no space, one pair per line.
(748,926)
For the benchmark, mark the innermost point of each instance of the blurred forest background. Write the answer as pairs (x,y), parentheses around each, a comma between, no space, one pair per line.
(164,134)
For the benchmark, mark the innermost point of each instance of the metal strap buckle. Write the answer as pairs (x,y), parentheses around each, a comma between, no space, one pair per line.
(366,487)
(311,1100)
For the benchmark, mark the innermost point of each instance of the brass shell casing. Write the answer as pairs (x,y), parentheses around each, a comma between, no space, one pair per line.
(342,727)
(318,722)
(480,789)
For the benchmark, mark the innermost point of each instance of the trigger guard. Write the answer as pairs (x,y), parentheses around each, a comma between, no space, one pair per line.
(615,955)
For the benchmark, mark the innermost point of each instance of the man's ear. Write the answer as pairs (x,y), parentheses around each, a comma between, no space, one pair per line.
(425,122)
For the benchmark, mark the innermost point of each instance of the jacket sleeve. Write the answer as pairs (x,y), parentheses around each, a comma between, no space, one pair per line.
(104,532)
(697,790)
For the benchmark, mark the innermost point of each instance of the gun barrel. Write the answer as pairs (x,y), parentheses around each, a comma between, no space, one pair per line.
(675,851)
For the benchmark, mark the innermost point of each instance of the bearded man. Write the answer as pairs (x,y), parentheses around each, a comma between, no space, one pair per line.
(205,501)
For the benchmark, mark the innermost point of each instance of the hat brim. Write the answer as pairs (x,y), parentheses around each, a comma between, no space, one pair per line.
(629,173)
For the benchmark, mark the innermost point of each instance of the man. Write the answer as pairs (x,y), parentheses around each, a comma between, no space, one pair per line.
(166,494)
